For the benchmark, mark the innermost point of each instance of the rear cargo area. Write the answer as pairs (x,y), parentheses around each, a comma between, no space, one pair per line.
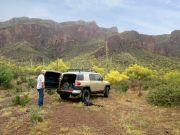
(67,82)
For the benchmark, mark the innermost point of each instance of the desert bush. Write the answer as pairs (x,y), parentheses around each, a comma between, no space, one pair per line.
(122,86)
(18,88)
(172,77)
(35,115)
(31,82)
(6,76)
(151,84)
(165,95)
(16,100)
(23,79)
(21,100)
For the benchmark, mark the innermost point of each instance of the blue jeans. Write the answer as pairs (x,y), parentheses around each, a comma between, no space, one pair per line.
(41,97)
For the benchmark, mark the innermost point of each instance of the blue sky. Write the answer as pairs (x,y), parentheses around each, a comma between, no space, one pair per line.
(145,16)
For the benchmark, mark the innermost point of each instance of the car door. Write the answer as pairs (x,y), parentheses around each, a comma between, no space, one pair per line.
(96,82)
(99,82)
(52,79)
(93,82)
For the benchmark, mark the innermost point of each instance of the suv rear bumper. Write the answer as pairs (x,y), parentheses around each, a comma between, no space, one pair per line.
(71,91)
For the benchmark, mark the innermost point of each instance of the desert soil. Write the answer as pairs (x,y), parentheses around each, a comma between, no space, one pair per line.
(120,114)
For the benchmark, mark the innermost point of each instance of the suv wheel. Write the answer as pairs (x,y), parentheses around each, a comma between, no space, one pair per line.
(85,95)
(106,92)
(64,95)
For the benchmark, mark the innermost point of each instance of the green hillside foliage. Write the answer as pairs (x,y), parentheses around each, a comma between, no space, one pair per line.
(122,70)
(22,52)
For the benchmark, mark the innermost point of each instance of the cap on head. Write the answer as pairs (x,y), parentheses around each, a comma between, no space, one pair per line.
(43,71)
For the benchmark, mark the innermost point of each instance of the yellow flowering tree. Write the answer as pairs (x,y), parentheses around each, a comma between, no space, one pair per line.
(115,76)
(119,80)
(139,72)
(98,69)
(58,65)
(137,75)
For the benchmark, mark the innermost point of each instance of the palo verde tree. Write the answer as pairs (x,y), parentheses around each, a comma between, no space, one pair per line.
(100,70)
(58,65)
(137,74)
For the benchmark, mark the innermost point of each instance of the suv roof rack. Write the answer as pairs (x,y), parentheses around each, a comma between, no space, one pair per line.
(81,70)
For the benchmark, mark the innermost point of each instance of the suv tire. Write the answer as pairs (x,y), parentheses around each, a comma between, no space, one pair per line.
(64,95)
(106,92)
(85,95)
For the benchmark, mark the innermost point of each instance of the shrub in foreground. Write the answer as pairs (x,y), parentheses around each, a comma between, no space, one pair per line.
(31,82)
(6,76)
(35,114)
(165,95)
(21,100)
(122,86)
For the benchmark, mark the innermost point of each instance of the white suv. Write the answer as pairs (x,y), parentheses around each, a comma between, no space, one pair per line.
(77,83)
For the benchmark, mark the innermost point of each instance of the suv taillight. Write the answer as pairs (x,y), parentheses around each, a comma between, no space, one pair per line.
(77,83)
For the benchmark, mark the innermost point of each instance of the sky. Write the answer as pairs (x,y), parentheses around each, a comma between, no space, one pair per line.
(151,17)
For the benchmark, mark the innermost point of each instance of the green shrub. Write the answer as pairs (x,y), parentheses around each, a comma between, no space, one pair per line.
(18,89)
(172,77)
(23,79)
(30,83)
(24,100)
(35,115)
(16,100)
(6,76)
(122,86)
(20,100)
(152,83)
(165,95)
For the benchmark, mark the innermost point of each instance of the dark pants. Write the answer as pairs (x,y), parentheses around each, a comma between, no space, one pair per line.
(41,97)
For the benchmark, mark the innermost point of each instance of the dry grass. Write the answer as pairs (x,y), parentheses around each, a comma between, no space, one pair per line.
(83,130)
(125,113)
(40,128)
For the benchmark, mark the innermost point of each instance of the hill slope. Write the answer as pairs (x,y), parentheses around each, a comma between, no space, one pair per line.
(46,39)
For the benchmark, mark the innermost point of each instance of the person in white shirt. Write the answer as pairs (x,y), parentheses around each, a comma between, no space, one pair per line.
(40,88)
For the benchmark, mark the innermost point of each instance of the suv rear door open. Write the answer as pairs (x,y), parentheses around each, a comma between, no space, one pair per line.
(52,79)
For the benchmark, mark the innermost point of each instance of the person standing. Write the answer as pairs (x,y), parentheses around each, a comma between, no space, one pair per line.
(40,88)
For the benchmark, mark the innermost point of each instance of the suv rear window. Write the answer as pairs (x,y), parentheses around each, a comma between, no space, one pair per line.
(80,77)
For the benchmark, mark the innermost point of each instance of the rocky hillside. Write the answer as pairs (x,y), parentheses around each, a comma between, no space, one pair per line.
(54,40)
(168,45)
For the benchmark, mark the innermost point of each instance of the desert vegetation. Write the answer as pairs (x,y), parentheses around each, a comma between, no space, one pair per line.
(137,90)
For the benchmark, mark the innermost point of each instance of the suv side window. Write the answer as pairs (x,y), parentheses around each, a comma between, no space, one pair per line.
(92,77)
(95,77)
(80,77)
(98,77)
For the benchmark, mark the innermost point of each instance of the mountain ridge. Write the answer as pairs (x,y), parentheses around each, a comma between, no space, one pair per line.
(56,40)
